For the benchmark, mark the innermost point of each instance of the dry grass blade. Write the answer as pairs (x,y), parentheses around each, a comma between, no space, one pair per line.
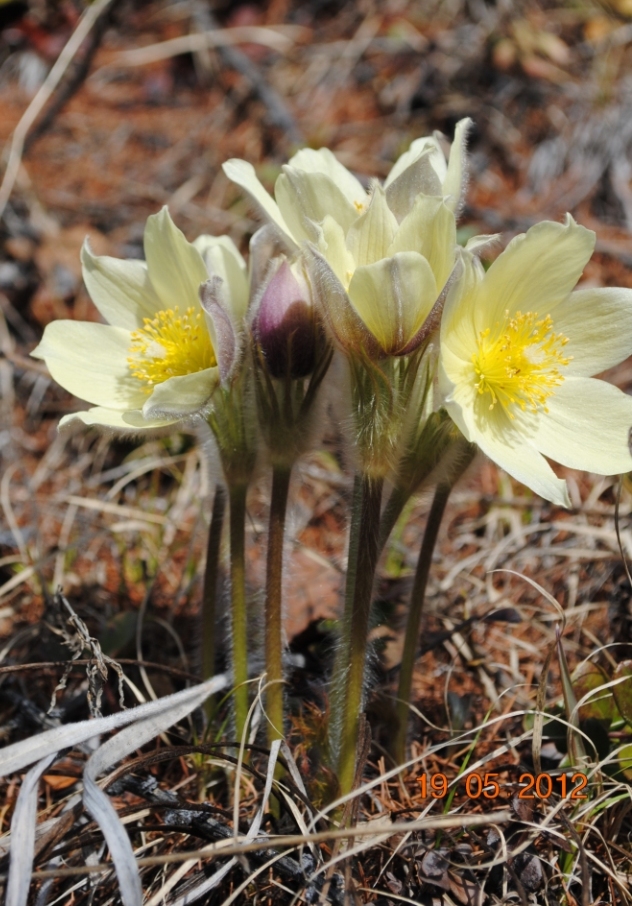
(575,745)
(21,754)
(98,803)
(538,721)
(147,721)
(23,835)
(280,39)
(193,895)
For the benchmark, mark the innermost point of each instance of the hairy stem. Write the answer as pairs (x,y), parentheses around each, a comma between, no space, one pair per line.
(274,596)
(237,503)
(363,557)
(392,511)
(411,637)
(209,594)
(341,662)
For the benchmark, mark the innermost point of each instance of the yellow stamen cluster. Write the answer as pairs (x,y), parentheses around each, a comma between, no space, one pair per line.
(170,345)
(518,362)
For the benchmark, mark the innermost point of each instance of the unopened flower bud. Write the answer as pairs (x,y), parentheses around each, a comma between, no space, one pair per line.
(284,325)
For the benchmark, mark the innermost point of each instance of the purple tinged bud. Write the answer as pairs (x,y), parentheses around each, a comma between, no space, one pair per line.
(284,325)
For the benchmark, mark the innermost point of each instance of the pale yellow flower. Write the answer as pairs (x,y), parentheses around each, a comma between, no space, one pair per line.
(381,259)
(517,352)
(156,361)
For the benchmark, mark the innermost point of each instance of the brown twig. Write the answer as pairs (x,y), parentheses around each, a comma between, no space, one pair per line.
(86,24)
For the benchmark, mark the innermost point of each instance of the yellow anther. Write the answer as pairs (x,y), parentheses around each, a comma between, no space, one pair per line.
(518,362)
(170,344)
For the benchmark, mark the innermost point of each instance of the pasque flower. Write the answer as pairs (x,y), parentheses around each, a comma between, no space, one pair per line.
(518,349)
(160,356)
(284,324)
(379,260)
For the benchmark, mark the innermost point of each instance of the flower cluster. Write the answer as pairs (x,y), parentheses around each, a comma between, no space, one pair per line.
(438,357)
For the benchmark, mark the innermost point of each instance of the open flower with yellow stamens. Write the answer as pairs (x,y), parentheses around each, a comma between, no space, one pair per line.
(160,356)
(379,259)
(518,349)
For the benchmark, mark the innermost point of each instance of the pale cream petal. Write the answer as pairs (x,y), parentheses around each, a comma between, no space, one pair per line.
(426,145)
(90,360)
(323,161)
(371,234)
(132,420)
(419,177)
(120,289)
(332,244)
(455,179)
(598,325)
(477,244)
(305,199)
(536,272)
(459,331)
(182,396)
(587,427)
(223,259)
(456,367)
(176,268)
(243,174)
(394,297)
(430,229)
(207,241)
(497,437)
(334,303)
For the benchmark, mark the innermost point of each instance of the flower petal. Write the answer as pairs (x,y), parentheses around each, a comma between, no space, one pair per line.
(121,290)
(243,174)
(323,161)
(429,145)
(131,420)
(371,234)
(393,297)
(598,324)
(176,268)
(497,437)
(419,177)
(306,198)
(332,243)
(181,396)
(90,360)
(345,323)
(587,427)
(455,179)
(536,272)
(430,229)
(224,336)
(223,259)
(458,325)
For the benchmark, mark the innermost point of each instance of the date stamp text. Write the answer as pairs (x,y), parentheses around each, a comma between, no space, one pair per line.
(487,786)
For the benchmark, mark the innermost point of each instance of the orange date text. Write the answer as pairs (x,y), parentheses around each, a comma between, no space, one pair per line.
(487,786)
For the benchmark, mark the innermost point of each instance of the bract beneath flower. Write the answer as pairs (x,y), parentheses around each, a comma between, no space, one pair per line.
(518,349)
(379,259)
(155,363)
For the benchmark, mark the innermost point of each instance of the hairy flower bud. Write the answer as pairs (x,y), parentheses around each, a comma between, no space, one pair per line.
(284,325)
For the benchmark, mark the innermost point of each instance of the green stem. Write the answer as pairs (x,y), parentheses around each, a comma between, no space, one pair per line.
(209,594)
(274,596)
(392,511)
(364,553)
(341,662)
(411,637)
(237,503)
